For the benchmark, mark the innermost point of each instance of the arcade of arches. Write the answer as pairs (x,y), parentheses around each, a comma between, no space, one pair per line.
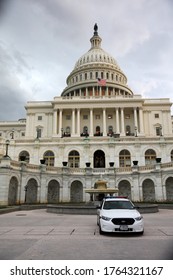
(99,160)
(77,191)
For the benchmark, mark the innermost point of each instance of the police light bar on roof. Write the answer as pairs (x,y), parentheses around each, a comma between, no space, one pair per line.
(116,197)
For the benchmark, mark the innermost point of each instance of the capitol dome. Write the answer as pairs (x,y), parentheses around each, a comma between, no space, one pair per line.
(94,65)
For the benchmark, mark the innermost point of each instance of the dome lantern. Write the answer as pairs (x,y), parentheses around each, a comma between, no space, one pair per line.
(95,40)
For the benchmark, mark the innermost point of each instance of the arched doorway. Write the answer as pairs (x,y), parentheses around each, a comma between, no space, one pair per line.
(169,189)
(148,190)
(31,191)
(99,159)
(124,189)
(53,192)
(76,192)
(12,192)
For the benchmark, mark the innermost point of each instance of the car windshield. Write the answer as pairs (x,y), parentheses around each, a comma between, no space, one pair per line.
(123,204)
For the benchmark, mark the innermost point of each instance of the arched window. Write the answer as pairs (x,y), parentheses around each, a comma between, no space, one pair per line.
(24,156)
(150,157)
(124,158)
(49,158)
(73,159)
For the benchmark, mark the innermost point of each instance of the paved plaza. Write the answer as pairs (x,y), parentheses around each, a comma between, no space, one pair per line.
(38,235)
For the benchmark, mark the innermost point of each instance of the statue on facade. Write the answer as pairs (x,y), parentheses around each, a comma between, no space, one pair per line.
(95,29)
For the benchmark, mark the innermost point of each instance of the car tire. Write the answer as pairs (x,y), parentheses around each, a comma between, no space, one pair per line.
(100,229)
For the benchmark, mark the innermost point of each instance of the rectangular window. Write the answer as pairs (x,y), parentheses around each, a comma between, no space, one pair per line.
(156,116)
(97,117)
(39,118)
(158,131)
(39,133)
(68,117)
(110,116)
(85,117)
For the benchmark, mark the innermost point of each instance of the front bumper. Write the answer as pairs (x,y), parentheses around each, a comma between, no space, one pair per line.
(108,226)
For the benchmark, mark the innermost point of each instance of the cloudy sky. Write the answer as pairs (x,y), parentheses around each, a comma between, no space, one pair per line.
(40,41)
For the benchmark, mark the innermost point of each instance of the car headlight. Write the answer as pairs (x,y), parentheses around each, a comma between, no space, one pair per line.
(105,218)
(139,218)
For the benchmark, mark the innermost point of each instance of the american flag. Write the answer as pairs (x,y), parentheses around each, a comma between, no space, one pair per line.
(101,82)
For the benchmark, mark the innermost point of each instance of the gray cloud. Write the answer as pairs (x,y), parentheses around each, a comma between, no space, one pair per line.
(41,41)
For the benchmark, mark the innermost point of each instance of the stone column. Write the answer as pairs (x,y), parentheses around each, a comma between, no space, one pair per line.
(91,122)
(141,121)
(107,92)
(117,121)
(135,120)
(122,122)
(60,122)
(136,188)
(55,122)
(86,92)
(78,122)
(104,122)
(73,122)
(93,91)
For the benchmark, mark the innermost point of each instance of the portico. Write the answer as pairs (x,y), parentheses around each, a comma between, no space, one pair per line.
(126,121)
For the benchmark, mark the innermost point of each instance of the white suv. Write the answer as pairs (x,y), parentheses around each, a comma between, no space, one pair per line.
(118,214)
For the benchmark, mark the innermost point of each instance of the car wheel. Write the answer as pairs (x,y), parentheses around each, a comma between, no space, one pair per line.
(100,229)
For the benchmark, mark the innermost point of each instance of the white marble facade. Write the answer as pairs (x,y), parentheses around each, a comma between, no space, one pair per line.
(94,124)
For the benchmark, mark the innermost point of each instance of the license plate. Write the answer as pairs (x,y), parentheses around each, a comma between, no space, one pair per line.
(124,227)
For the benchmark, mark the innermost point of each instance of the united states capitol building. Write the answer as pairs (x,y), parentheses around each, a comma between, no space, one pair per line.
(96,128)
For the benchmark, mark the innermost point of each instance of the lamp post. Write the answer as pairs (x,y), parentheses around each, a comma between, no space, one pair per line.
(7,143)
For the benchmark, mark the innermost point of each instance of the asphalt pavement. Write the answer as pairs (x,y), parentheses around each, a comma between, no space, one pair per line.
(38,235)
